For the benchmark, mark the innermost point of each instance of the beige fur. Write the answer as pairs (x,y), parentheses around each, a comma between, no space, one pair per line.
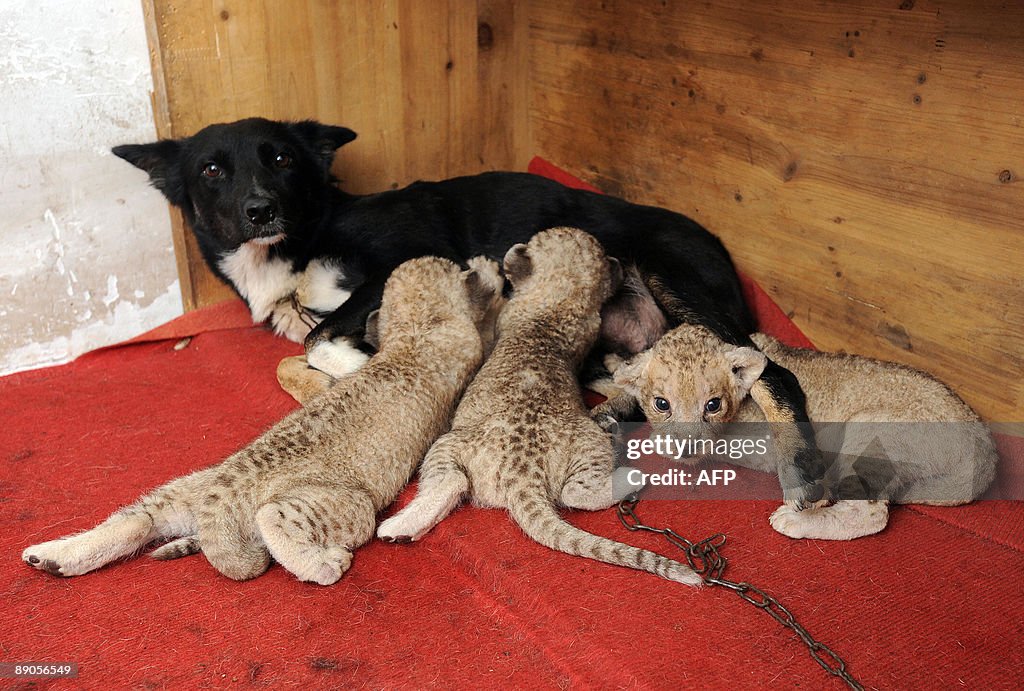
(302,381)
(307,492)
(950,463)
(521,438)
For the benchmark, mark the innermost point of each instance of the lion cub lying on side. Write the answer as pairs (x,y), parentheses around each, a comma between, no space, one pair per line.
(521,438)
(906,437)
(307,492)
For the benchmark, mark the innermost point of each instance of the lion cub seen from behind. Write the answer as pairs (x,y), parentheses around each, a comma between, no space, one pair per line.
(521,438)
(905,438)
(307,492)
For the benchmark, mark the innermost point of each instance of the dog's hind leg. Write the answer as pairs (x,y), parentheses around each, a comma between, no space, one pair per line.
(313,530)
(442,484)
(163,513)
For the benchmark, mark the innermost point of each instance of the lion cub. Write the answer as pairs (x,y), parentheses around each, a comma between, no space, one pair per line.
(904,438)
(521,438)
(307,491)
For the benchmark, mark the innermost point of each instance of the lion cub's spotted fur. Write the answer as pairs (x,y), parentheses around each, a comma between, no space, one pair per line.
(521,438)
(946,464)
(307,492)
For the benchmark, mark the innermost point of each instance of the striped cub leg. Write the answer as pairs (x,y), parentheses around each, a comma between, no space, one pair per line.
(162,514)
(227,535)
(442,484)
(312,530)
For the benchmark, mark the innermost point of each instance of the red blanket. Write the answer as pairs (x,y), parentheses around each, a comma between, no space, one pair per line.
(934,601)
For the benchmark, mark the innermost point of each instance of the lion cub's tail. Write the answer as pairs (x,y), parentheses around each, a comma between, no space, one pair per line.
(541,521)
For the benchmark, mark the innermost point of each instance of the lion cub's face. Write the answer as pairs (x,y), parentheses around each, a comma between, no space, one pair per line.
(691,382)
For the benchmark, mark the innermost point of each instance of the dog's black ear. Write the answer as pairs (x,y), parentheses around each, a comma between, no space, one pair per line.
(518,264)
(372,332)
(324,140)
(162,161)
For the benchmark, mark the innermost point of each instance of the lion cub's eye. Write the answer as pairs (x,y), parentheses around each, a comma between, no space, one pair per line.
(212,170)
(713,405)
(661,405)
(283,160)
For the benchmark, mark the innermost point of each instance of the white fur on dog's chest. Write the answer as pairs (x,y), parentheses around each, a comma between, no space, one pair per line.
(268,283)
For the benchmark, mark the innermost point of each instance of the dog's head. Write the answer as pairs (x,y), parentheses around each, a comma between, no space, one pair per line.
(253,180)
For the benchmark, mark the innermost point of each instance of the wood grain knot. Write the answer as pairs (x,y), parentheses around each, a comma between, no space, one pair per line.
(484,36)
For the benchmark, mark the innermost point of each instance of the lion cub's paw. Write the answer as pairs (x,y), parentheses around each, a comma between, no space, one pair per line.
(57,557)
(401,528)
(324,567)
(300,380)
(844,520)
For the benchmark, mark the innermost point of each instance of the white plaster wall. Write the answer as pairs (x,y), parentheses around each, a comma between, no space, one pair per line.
(85,245)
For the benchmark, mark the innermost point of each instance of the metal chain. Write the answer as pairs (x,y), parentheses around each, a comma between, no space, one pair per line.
(305,316)
(706,559)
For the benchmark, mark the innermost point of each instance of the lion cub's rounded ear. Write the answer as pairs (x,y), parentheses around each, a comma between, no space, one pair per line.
(629,374)
(747,365)
(480,292)
(372,333)
(483,281)
(518,264)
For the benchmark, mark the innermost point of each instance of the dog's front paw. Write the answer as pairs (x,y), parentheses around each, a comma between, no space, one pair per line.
(336,358)
(802,480)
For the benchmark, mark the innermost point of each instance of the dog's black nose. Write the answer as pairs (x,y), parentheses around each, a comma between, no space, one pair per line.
(260,210)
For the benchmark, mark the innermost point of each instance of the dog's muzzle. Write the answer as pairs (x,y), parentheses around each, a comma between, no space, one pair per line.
(260,210)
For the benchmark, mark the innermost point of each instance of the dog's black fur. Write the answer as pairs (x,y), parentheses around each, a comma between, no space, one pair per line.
(256,180)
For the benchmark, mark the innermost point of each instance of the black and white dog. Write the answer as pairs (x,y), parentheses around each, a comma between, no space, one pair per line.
(270,220)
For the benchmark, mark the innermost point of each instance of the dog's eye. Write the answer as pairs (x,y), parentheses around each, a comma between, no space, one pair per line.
(212,170)
(713,405)
(283,161)
(661,405)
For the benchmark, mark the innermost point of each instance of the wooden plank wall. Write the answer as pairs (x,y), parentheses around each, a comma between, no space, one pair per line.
(434,89)
(862,159)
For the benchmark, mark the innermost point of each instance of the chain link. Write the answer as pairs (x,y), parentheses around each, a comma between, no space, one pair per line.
(706,559)
(305,315)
